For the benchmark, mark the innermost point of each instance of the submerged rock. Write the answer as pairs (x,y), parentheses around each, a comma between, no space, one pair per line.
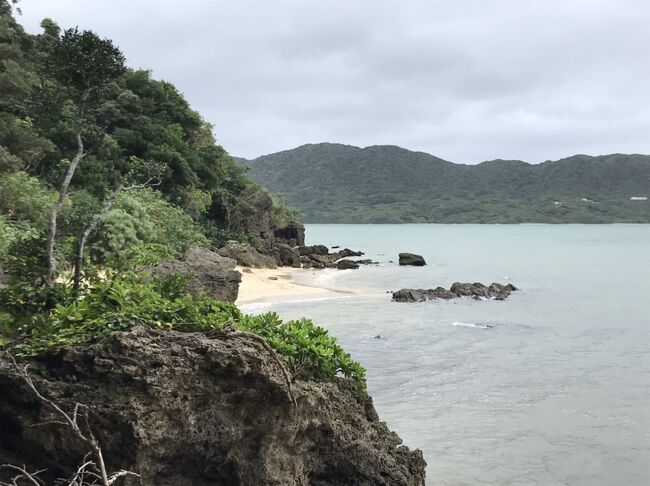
(476,290)
(366,261)
(411,259)
(187,409)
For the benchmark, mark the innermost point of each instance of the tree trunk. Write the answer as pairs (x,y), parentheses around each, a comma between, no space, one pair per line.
(79,257)
(51,231)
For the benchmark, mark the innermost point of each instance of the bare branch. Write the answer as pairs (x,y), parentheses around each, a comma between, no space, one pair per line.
(100,473)
(119,474)
(31,477)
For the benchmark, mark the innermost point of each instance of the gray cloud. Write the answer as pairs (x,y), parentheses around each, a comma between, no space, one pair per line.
(466,80)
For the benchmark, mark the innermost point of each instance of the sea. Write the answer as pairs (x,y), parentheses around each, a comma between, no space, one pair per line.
(549,387)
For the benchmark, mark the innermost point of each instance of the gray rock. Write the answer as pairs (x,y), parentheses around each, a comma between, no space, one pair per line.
(292,234)
(346,253)
(411,259)
(248,256)
(313,250)
(287,256)
(209,273)
(347,265)
(476,291)
(187,409)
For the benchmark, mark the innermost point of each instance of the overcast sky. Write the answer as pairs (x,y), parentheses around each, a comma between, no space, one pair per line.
(466,80)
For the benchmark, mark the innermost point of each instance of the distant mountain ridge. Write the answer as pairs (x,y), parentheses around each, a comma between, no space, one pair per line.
(335,183)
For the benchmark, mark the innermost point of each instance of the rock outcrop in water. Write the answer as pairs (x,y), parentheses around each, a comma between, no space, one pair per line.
(188,409)
(411,259)
(318,256)
(347,265)
(476,290)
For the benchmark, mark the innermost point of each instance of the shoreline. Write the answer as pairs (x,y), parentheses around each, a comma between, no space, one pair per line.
(265,285)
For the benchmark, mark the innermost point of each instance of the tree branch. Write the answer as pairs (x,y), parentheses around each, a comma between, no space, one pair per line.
(88,437)
(51,230)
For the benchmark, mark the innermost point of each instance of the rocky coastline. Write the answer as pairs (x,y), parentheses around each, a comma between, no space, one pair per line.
(188,409)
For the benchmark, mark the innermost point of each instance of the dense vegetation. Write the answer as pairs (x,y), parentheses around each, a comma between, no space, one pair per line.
(333,183)
(104,172)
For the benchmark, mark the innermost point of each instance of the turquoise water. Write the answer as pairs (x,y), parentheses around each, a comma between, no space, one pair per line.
(555,391)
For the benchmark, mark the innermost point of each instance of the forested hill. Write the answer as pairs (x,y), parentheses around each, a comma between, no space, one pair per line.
(387,184)
(149,173)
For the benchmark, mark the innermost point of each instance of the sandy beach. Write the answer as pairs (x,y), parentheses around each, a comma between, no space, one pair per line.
(263,285)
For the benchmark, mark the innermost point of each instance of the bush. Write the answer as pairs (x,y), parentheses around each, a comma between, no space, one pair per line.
(144,217)
(25,198)
(308,349)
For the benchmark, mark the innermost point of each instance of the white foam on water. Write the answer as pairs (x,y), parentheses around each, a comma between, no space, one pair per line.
(469,324)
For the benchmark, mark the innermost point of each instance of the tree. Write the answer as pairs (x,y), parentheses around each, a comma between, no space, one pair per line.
(81,65)
(154,173)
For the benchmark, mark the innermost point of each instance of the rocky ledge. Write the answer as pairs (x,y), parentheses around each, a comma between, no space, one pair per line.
(476,290)
(192,409)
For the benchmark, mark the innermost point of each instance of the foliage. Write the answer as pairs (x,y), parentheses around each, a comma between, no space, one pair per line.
(83,62)
(37,319)
(25,198)
(58,86)
(308,349)
(332,183)
(57,83)
(24,257)
(143,216)
(282,213)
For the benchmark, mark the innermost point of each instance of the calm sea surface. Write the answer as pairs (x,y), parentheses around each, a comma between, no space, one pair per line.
(555,391)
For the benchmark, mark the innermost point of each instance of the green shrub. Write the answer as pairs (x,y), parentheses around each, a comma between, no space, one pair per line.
(43,318)
(142,217)
(25,198)
(308,349)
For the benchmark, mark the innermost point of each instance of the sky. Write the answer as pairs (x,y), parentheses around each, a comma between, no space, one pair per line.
(465,80)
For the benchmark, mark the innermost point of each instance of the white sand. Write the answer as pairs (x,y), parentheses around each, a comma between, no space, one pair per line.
(263,285)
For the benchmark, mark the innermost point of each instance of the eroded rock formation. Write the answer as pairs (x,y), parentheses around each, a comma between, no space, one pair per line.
(188,409)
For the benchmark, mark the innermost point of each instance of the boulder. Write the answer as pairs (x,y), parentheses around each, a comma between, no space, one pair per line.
(346,253)
(247,256)
(347,265)
(287,256)
(189,409)
(313,250)
(313,264)
(293,234)
(209,273)
(410,295)
(411,259)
